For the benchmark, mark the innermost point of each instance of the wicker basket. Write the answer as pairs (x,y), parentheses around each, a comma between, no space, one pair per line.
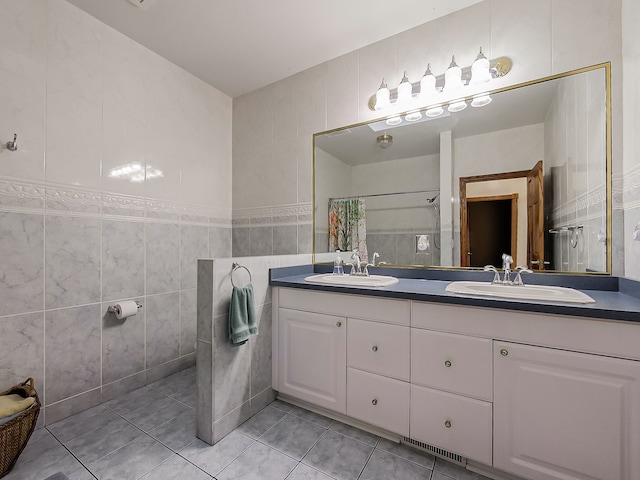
(15,434)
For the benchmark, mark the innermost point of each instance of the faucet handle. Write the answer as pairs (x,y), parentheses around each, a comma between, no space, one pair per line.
(496,275)
(520,270)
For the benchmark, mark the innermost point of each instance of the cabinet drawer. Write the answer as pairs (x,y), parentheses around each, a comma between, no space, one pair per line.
(455,363)
(378,400)
(379,348)
(459,424)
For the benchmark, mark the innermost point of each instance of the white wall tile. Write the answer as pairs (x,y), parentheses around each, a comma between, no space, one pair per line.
(342,90)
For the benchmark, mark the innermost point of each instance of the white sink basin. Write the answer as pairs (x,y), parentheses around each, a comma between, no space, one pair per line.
(520,292)
(352,280)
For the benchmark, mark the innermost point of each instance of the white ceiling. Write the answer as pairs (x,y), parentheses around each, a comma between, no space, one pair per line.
(241,45)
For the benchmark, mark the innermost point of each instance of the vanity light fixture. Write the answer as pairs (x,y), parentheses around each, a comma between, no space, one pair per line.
(393,121)
(481,100)
(413,116)
(452,83)
(457,106)
(434,111)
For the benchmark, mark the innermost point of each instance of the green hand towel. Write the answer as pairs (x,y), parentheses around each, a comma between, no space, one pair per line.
(242,315)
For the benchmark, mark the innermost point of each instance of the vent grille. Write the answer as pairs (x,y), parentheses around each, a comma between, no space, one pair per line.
(438,452)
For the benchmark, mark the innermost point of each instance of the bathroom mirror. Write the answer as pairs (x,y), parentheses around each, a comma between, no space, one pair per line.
(526,174)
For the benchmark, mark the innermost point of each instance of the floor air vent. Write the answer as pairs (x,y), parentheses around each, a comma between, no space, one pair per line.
(438,452)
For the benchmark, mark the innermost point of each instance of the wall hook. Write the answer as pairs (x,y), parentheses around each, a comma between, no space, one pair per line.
(13,146)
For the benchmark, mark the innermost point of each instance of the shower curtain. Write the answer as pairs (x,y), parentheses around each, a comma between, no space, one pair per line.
(347,228)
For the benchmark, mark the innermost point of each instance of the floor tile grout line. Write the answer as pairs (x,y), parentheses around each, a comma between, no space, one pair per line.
(72,454)
(365,463)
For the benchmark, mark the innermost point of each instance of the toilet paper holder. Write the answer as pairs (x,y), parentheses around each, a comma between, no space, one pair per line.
(112,308)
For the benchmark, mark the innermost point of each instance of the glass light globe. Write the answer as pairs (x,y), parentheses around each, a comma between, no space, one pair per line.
(428,84)
(453,77)
(457,106)
(481,100)
(383,97)
(480,70)
(404,91)
(434,111)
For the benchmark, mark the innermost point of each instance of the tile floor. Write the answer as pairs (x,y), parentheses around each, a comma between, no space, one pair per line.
(150,434)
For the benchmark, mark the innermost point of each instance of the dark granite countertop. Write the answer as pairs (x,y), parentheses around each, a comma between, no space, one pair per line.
(616,298)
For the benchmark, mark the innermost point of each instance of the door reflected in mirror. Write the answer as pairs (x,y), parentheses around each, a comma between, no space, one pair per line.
(527,174)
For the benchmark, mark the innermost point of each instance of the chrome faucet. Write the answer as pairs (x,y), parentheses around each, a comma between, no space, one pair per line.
(507,260)
(496,275)
(520,271)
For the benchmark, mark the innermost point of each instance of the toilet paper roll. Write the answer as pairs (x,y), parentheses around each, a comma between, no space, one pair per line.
(125,309)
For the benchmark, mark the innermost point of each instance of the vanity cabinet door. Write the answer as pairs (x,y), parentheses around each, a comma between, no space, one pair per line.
(565,415)
(313,357)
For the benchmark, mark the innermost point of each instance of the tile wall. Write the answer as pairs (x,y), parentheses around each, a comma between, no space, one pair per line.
(273,126)
(75,237)
(234,383)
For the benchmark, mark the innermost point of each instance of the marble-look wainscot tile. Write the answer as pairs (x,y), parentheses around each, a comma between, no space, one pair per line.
(259,267)
(166,369)
(174,384)
(131,461)
(222,286)
(232,370)
(205,300)
(122,259)
(227,424)
(72,261)
(257,463)
(71,406)
(176,467)
(213,459)
(338,456)
(261,358)
(188,321)
(163,251)
(206,397)
(22,270)
(194,244)
(72,351)
(384,466)
(285,239)
(305,234)
(123,387)
(293,436)
(122,344)
(241,241)
(261,240)
(219,242)
(22,350)
(261,399)
(163,328)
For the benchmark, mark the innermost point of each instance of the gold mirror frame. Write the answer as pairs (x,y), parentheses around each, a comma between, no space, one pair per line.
(608,166)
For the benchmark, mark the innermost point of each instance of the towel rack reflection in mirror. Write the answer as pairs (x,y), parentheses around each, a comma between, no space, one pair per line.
(237,266)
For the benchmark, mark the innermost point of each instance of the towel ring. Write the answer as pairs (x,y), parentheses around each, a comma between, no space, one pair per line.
(237,266)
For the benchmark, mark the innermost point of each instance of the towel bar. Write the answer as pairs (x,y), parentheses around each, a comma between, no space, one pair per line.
(237,266)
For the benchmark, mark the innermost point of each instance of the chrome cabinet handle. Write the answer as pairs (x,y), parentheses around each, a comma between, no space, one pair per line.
(447,363)
(447,423)
(374,401)
(374,348)
(504,352)
(338,324)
